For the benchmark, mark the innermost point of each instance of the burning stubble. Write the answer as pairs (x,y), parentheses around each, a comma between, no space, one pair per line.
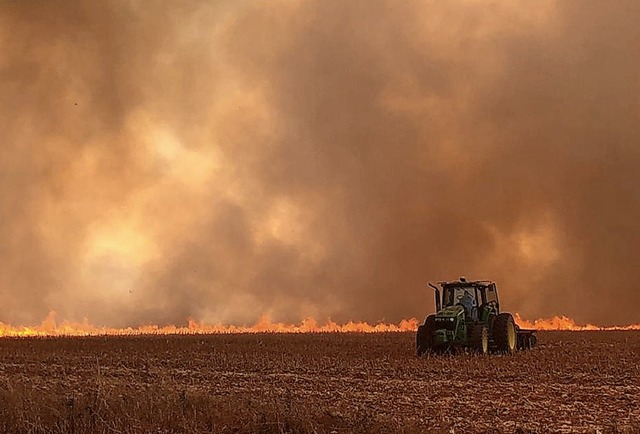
(222,161)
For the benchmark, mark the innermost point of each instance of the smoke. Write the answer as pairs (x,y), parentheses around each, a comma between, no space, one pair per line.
(225,160)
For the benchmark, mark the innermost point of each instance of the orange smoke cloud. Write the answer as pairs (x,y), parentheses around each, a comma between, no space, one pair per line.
(219,160)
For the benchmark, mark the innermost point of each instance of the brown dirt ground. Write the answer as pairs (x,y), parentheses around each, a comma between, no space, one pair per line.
(571,382)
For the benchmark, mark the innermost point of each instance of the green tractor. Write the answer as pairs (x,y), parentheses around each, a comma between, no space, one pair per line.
(468,315)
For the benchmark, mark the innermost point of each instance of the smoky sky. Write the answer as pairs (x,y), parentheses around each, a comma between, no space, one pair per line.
(161,161)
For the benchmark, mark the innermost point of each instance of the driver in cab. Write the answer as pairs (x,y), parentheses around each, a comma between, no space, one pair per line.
(469,302)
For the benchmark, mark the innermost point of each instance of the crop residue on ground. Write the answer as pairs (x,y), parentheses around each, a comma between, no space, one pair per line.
(571,382)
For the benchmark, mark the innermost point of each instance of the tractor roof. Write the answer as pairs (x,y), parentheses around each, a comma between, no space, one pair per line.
(464,282)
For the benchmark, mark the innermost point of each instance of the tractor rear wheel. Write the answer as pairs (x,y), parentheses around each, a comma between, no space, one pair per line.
(504,333)
(424,337)
(480,339)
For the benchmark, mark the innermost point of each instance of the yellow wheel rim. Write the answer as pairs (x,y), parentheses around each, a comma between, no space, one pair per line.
(511,336)
(485,341)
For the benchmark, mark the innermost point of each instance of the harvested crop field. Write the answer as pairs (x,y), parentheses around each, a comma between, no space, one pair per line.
(571,382)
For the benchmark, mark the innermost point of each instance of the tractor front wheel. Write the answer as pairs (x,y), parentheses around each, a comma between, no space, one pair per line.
(424,336)
(480,339)
(504,333)
(421,346)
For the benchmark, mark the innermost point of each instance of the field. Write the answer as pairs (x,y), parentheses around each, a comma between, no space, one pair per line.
(571,382)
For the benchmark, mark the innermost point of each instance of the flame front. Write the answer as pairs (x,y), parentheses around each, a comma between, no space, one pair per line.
(50,327)
(564,323)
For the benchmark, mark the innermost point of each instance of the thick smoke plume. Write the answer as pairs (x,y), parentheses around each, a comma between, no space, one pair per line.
(221,161)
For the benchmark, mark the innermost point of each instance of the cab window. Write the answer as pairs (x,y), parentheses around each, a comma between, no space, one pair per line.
(491,294)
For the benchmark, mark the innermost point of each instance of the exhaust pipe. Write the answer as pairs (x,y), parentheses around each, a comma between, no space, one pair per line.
(438,301)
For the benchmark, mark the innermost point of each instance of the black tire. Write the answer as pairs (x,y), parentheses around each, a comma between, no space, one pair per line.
(424,336)
(479,339)
(421,346)
(504,333)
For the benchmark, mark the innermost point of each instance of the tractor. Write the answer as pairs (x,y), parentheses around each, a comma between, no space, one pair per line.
(468,316)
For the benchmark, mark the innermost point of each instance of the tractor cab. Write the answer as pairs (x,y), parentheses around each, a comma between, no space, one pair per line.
(465,296)
(479,299)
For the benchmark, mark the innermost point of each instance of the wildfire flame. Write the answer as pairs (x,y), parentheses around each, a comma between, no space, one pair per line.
(564,323)
(50,327)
